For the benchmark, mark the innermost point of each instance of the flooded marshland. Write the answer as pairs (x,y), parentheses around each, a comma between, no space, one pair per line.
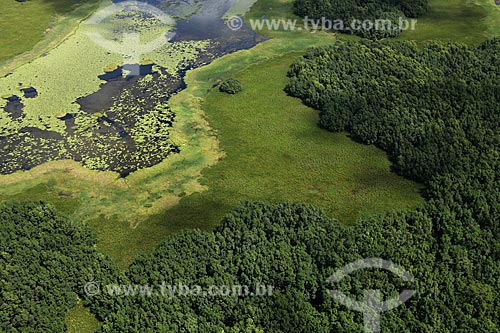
(85,102)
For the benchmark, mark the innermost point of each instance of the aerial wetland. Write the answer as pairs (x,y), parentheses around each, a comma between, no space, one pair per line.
(81,102)
(141,144)
(178,141)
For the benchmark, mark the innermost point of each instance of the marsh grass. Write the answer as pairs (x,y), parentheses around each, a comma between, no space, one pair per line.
(80,320)
(464,21)
(300,163)
(33,27)
(271,151)
(274,151)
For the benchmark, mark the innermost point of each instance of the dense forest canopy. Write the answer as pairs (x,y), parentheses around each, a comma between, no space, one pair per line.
(44,262)
(349,10)
(293,247)
(296,248)
(435,111)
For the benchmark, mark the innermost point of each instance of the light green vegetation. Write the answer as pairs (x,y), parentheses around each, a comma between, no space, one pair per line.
(132,215)
(239,8)
(275,151)
(466,21)
(492,20)
(118,208)
(71,71)
(80,320)
(33,27)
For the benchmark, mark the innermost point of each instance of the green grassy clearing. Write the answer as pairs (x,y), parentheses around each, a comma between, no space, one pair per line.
(30,28)
(463,21)
(275,151)
(81,320)
(116,238)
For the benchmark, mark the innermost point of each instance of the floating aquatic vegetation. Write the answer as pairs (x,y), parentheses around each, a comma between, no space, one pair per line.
(122,127)
(10,98)
(147,62)
(111,72)
(62,116)
(88,109)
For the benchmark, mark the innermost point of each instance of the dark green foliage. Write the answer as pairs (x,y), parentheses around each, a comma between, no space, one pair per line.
(387,30)
(257,243)
(230,86)
(44,263)
(412,8)
(296,248)
(435,111)
(349,10)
